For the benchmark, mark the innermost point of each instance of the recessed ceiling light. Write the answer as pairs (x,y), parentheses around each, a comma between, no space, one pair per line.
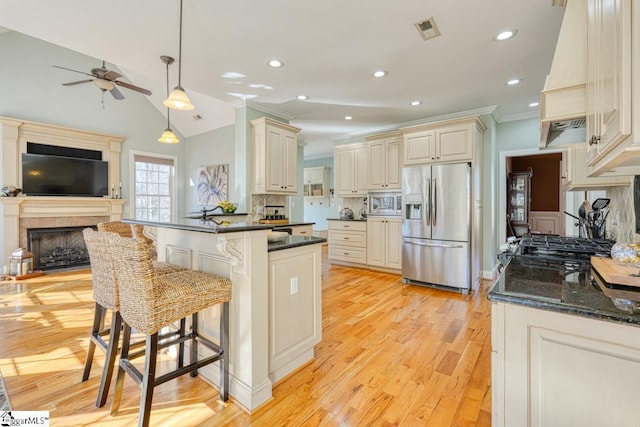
(513,82)
(302,97)
(348,117)
(414,103)
(275,63)
(505,35)
(379,73)
(534,104)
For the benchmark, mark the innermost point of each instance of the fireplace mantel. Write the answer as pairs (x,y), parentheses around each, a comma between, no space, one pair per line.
(52,211)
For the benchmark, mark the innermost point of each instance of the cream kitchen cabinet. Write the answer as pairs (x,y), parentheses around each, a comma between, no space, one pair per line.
(275,151)
(295,308)
(613,96)
(385,161)
(348,242)
(384,242)
(556,369)
(302,230)
(442,142)
(352,177)
(574,173)
(316,186)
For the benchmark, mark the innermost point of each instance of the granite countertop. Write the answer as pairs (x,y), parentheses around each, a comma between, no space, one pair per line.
(207,226)
(351,220)
(559,289)
(291,224)
(294,242)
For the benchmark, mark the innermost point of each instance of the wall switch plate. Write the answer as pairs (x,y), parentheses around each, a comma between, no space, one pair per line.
(294,285)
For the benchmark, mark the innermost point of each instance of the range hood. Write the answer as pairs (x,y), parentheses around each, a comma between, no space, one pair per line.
(563,101)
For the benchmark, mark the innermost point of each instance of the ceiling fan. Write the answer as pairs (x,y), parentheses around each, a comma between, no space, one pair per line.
(105,80)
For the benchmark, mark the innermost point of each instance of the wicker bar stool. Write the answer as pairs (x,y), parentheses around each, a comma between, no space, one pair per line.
(105,294)
(149,302)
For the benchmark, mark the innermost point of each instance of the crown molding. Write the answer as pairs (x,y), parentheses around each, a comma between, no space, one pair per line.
(519,116)
(269,110)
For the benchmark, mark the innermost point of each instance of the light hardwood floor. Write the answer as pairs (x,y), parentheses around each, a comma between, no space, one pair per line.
(391,354)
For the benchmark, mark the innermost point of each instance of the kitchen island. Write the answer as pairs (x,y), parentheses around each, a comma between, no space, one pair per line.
(563,353)
(276,308)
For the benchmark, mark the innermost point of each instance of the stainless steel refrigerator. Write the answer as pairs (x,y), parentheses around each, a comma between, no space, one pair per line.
(436,225)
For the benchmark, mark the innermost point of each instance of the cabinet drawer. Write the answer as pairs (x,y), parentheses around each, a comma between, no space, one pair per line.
(348,225)
(348,254)
(348,238)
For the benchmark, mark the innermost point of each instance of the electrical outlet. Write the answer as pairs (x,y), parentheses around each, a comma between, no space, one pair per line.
(294,285)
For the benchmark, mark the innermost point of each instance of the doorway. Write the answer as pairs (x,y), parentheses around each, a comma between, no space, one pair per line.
(547,198)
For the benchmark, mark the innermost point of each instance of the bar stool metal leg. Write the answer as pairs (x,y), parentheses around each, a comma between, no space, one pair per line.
(194,343)
(224,344)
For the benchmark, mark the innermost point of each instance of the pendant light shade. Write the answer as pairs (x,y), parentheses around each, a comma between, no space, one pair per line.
(178,100)
(168,137)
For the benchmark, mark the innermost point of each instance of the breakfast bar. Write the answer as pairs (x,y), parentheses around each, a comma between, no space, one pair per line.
(276,308)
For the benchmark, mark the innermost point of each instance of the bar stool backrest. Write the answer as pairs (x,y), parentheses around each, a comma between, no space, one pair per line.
(105,287)
(136,279)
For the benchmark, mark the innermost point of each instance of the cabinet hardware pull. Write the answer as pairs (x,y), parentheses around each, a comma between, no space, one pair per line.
(594,140)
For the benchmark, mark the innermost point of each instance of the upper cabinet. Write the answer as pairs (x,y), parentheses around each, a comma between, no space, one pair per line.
(351,163)
(442,142)
(275,151)
(574,172)
(385,164)
(316,186)
(613,76)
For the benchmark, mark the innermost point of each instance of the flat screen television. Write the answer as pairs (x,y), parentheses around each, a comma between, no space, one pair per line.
(46,175)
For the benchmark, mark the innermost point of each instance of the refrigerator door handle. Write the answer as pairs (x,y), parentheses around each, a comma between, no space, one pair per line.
(434,245)
(428,203)
(435,203)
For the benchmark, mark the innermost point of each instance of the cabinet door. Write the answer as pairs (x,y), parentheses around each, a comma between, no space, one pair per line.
(377,165)
(454,144)
(419,148)
(575,178)
(275,154)
(289,162)
(394,243)
(313,176)
(608,75)
(393,166)
(361,171)
(376,246)
(344,172)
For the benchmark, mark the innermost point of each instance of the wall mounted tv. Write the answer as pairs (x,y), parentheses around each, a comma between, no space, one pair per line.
(49,175)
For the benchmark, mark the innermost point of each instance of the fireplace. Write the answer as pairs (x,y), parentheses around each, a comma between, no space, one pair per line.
(59,247)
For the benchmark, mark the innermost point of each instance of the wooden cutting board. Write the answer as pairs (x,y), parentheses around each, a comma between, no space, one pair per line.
(274,221)
(615,273)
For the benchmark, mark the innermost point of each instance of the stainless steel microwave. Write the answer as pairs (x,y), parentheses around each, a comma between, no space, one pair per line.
(385,203)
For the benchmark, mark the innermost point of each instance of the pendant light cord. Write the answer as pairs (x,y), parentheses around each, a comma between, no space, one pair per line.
(180,51)
(167,63)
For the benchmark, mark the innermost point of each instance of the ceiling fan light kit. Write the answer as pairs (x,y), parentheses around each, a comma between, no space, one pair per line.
(178,99)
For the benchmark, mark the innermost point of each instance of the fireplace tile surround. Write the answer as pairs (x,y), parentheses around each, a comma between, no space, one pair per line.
(17,214)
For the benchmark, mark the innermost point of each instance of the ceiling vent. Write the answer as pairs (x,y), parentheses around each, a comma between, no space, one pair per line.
(197,117)
(428,29)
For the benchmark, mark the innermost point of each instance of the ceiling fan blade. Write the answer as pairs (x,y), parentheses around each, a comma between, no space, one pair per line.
(132,87)
(75,71)
(112,75)
(116,93)
(77,83)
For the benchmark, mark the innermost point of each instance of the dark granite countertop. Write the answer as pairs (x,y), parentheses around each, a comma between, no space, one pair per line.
(294,242)
(204,226)
(291,224)
(560,289)
(350,220)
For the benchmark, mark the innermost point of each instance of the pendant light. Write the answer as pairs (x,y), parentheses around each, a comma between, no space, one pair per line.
(168,137)
(178,99)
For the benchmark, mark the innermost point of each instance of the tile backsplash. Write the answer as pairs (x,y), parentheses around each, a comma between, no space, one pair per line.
(621,222)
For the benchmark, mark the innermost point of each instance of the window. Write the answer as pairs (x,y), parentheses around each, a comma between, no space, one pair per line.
(153,187)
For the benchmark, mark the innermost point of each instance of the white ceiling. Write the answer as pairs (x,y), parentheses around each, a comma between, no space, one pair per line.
(330,48)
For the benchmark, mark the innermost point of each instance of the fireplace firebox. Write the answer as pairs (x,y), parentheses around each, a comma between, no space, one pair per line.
(56,248)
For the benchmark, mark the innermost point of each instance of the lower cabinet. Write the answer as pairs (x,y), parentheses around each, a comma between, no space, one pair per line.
(295,308)
(556,369)
(384,242)
(302,230)
(348,242)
